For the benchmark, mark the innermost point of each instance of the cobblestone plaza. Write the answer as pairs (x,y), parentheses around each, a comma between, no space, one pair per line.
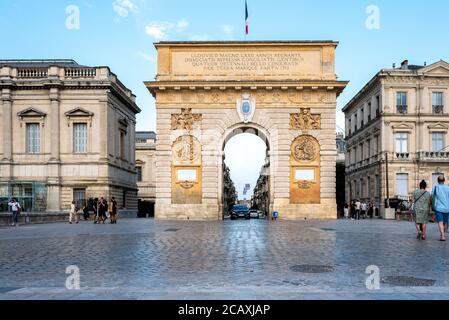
(146,259)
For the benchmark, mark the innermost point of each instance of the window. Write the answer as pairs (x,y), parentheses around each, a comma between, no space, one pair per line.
(369,188)
(437,141)
(378,186)
(139,174)
(79,196)
(401,102)
(402,184)
(33,138)
(122,145)
(437,102)
(377,106)
(368,145)
(363,117)
(369,111)
(355,122)
(401,142)
(357,188)
(350,127)
(80,137)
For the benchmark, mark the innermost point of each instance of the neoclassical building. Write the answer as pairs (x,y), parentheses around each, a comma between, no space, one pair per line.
(146,175)
(283,91)
(399,121)
(67,133)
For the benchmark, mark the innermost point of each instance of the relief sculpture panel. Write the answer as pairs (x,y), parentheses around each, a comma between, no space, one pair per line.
(305,120)
(305,171)
(186,171)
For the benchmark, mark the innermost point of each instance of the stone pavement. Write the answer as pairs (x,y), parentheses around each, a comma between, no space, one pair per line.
(236,260)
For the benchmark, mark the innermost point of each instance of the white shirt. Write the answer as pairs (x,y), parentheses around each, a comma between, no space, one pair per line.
(357,205)
(15,206)
(72,208)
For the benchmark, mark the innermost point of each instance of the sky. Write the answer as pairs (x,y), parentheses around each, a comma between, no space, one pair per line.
(120,34)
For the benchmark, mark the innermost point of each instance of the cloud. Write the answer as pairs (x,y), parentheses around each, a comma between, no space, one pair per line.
(182,24)
(159,30)
(163,30)
(227,29)
(147,57)
(124,7)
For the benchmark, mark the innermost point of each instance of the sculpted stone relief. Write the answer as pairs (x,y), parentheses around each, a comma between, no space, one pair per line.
(305,149)
(185,121)
(268,97)
(305,120)
(186,151)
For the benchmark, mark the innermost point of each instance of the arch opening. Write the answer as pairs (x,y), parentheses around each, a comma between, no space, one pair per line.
(246,171)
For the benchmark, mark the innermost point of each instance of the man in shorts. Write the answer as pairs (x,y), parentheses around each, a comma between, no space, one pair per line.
(440,199)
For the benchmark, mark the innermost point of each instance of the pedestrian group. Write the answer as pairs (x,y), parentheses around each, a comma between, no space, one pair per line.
(101,211)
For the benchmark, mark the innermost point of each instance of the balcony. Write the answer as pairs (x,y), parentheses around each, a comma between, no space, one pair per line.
(439,109)
(402,156)
(433,156)
(402,109)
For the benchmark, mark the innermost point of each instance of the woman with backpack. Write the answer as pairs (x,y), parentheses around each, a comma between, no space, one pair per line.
(421,209)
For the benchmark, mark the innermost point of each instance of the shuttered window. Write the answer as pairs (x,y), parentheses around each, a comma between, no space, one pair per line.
(33,138)
(80,137)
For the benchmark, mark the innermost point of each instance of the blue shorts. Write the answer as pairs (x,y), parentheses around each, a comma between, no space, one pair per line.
(442,217)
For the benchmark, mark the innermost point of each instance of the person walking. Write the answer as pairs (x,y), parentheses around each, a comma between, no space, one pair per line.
(440,204)
(363,209)
(85,212)
(15,208)
(358,206)
(421,209)
(371,210)
(112,208)
(102,207)
(95,209)
(352,209)
(73,213)
(346,211)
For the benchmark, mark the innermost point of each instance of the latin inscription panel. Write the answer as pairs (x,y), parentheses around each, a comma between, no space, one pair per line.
(298,64)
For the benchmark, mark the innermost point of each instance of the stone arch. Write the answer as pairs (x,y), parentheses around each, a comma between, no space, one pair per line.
(234,130)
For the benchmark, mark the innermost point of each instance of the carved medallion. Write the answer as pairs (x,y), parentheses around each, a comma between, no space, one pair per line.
(305,120)
(185,121)
(305,149)
(186,150)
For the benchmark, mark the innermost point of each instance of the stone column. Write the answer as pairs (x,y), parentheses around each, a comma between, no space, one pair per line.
(7,125)
(104,130)
(54,167)
(6,170)
(55,125)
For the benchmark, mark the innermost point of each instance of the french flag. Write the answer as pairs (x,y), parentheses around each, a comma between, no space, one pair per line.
(246,17)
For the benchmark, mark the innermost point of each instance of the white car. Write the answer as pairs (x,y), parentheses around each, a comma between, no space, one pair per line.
(255,214)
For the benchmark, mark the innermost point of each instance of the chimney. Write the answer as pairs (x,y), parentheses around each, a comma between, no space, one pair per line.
(404,65)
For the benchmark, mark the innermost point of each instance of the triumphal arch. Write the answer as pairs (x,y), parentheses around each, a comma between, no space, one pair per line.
(285,92)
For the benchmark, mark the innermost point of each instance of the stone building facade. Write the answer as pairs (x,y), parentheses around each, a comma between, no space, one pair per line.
(146,175)
(285,92)
(261,195)
(399,118)
(67,133)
